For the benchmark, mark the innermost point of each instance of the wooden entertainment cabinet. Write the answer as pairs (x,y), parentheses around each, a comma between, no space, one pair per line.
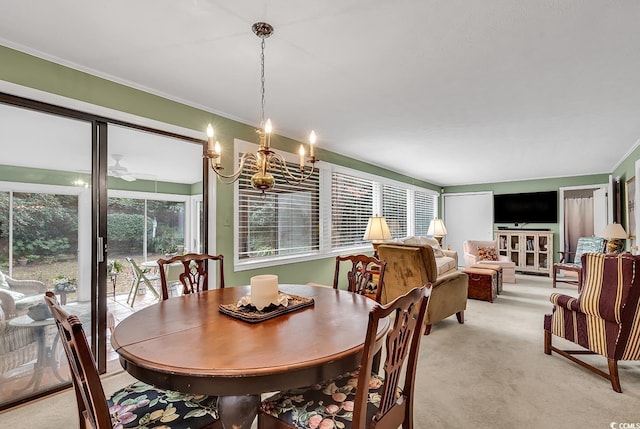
(531,251)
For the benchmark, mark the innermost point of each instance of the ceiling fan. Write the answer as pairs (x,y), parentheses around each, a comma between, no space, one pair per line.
(117,170)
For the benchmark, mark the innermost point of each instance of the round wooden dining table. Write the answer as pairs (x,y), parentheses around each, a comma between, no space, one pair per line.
(186,344)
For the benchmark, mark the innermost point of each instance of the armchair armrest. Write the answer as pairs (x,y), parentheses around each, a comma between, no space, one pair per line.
(470,259)
(565,301)
(564,255)
(450,253)
(27,287)
(7,304)
(454,275)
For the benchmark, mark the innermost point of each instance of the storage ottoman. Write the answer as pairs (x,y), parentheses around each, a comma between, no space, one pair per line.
(508,269)
(483,284)
(496,268)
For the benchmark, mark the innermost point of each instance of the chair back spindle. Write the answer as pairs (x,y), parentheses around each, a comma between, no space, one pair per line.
(195,272)
(402,345)
(361,275)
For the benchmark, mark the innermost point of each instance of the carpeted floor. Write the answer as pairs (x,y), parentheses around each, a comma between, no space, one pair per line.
(490,372)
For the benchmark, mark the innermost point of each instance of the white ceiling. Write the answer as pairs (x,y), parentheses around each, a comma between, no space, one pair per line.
(447,91)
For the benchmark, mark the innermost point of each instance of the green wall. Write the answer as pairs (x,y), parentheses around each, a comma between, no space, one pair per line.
(29,71)
(540,185)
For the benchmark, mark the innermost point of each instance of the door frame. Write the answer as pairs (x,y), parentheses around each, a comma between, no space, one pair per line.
(607,186)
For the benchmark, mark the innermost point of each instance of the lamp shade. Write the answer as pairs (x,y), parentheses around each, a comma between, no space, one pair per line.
(614,230)
(377,229)
(437,228)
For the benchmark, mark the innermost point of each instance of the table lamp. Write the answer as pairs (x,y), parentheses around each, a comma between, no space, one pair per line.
(377,230)
(615,234)
(437,229)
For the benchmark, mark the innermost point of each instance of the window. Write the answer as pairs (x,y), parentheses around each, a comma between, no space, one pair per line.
(394,209)
(147,226)
(283,222)
(424,207)
(351,208)
(324,216)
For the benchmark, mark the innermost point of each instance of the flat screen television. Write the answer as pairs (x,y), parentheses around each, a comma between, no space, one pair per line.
(530,207)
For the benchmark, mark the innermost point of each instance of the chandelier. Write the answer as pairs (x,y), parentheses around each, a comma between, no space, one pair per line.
(265,159)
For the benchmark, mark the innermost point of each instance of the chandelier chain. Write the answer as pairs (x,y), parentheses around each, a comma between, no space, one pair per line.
(262,85)
(264,160)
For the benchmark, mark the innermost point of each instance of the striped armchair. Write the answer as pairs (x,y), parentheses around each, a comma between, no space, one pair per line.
(605,318)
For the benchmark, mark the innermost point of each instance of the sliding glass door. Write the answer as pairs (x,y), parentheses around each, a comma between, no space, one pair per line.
(154,185)
(45,243)
(80,196)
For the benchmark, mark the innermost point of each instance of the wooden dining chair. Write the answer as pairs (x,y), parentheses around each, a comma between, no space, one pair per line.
(133,406)
(362,399)
(365,276)
(195,272)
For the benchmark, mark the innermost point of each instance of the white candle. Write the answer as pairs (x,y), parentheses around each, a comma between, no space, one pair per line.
(210,135)
(264,290)
(312,143)
(301,152)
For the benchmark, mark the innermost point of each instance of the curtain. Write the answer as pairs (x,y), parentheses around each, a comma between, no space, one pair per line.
(578,221)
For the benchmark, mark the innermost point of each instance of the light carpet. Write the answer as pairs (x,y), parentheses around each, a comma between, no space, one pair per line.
(490,372)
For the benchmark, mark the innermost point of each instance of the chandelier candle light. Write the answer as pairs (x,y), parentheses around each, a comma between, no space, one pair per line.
(265,159)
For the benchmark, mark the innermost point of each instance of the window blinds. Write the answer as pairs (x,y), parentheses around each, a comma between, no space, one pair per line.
(281,222)
(394,209)
(351,208)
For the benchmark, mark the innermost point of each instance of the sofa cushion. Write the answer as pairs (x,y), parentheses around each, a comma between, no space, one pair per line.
(445,264)
(487,254)
(25,303)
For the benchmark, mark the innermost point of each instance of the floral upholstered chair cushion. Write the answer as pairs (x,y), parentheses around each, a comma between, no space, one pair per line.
(487,254)
(140,405)
(325,406)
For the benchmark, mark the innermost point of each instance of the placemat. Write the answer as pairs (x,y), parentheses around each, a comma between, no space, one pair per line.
(249,313)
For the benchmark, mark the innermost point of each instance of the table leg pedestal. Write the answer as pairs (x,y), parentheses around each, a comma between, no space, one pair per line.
(238,412)
(46,359)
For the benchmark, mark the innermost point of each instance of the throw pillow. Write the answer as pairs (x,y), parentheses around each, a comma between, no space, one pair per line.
(487,254)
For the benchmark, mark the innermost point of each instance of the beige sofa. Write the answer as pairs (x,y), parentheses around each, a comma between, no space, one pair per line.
(413,265)
(446,260)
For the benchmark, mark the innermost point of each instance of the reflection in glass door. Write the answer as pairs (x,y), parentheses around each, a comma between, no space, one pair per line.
(50,220)
(45,243)
(155,185)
